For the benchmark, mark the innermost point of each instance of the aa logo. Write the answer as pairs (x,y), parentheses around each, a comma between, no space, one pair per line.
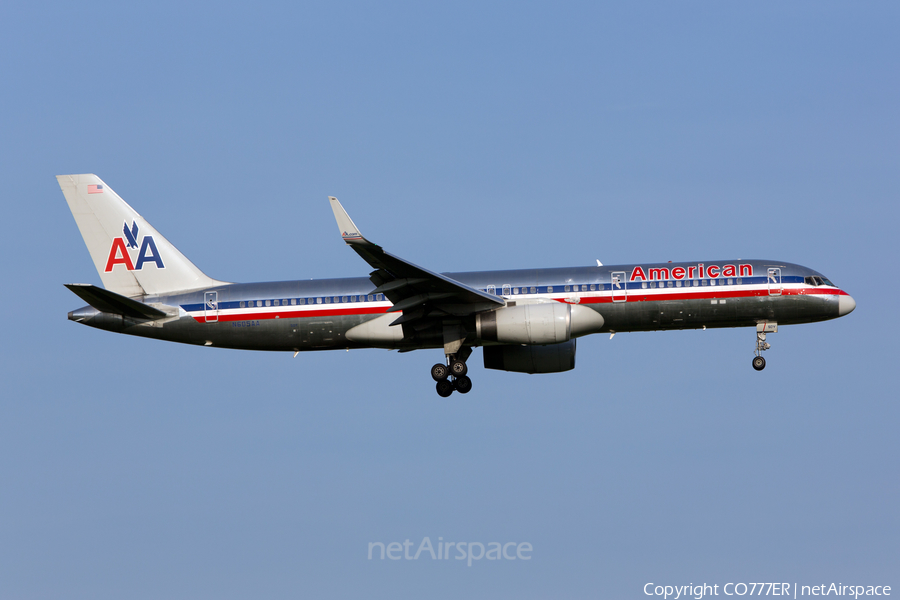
(119,254)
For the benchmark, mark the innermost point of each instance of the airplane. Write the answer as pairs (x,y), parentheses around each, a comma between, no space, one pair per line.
(526,320)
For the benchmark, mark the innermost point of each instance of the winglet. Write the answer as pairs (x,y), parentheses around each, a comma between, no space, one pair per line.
(349,232)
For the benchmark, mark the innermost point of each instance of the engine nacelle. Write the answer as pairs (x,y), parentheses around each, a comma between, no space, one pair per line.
(554,358)
(539,323)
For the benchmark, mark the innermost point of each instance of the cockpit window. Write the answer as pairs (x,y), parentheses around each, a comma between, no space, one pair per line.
(817,281)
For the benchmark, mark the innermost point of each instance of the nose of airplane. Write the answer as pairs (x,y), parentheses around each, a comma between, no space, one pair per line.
(846,304)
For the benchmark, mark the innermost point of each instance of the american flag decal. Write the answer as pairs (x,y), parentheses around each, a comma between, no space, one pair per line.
(95,189)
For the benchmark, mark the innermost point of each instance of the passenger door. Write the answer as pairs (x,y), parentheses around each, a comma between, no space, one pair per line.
(211,307)
(619,292)
(774,280)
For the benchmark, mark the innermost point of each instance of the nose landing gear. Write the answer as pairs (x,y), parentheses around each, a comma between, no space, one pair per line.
(759,363)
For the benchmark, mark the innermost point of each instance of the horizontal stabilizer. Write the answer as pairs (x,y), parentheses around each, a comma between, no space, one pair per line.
(111,302)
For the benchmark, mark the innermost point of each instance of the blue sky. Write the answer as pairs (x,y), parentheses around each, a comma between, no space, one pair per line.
(468,136)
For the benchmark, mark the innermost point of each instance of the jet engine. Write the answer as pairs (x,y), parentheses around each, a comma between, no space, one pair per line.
(537,324)
(553,358)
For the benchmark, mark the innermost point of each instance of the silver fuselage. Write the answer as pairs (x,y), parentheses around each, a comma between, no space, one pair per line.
(317,314)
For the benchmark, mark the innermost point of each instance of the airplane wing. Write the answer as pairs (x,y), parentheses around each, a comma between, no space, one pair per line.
(420,294)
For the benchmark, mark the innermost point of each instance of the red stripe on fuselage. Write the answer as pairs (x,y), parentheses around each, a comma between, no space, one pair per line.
(294,314)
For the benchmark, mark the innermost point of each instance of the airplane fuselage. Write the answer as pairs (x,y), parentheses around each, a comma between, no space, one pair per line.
(318,314)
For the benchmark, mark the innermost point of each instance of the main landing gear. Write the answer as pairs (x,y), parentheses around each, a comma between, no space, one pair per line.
(455,368)
(759,363)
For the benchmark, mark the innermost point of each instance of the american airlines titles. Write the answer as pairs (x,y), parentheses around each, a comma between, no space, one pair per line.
(700,271)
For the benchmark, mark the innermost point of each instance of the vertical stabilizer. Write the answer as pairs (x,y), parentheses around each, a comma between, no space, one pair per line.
(131,256)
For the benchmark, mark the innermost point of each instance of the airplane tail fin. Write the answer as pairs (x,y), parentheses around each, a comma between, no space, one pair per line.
(131,256)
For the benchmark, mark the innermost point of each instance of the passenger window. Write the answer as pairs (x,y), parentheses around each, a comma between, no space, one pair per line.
(678,284)
(549,289)
(533,290)
(242,305)
(318,301)
(568,288)
(644,285)
(381,297)
(492,290)
(739,281)
(277,302)
(593,287)
(515,290)
(371,298)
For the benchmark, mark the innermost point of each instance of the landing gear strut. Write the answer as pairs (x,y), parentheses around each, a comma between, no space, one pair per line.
(759,363)
(456,368)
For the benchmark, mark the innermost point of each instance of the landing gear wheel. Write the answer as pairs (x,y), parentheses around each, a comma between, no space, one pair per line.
(759,363)
(463,385)
(458,368)
(444,388)
(440,372)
